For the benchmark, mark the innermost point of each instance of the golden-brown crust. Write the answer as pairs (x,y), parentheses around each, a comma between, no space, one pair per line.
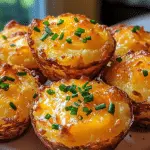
(54,70)
(106,145)
(127,75)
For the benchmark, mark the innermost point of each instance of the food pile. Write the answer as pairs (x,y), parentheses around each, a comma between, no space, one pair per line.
(100,82)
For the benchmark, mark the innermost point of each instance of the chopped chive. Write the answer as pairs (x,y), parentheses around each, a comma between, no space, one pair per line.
(87,88)
(67,98)
(87,110)
(74,111)
(50,92)
(135,29)
(68,108)
(48,30)
(145,73)
(117,30)
(4,86)
(84,85)
(55,36)
(21,73)
(84,40)
(61,21)
(80,117)
(79,31)
(35,95)
(55,126)
(88,38)
(119,59)
(46,23)
(48,116)
(61,36)
(44,37)
(63,88)
(36,29)
(13,106)
(76,104)
(69,40)
(76,19)
(4,37)
(5,78)
(111,108)
(75,95)
(101,106)
(93,21)
(72,89)
(10,79)
(88,98)
(12,45)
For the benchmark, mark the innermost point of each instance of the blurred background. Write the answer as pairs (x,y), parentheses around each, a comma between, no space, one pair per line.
(107,12)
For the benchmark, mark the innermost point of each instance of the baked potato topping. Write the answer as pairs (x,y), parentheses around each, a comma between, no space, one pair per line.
(69,46)
(77,114)
(130,38)
(17,91)
(14,48)
(131,74)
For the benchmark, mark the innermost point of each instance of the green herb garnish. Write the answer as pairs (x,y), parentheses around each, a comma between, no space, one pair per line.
(35,95)
(74,111)
(55,126)
(119,59)
(21,73)
(69,40)
(117,30)
(75,95)
(48,116)
(135,29)
(5,78)
(79,31)
(101,106)
(55,36)
(48,30)
(44,37)
(145,73)
(87,110)
(13,106)
(4,37)
(68,108)
(67,98)
(111,108)
(72,89)
(84,85)
(60,22)
(76,104)
(76,19)
(88,98)
(61,36)
(46,23)
(93,21)
(12,45)
(50,92)
(4,86)
(63,88)
(36,29)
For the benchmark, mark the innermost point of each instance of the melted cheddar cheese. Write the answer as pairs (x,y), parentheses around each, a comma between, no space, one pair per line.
(20,94)
(129,39)
(75,54)
(96,127)
(14,48)
(128,75)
